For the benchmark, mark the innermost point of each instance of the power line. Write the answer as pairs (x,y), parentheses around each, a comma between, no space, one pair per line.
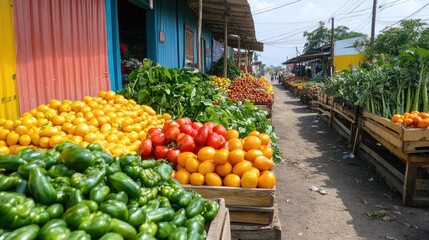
(275,7)
(427,4)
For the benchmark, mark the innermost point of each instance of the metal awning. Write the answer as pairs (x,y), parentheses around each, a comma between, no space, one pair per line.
(304,58)
(239,21)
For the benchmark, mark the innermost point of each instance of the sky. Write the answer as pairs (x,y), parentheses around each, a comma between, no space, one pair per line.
(280,24)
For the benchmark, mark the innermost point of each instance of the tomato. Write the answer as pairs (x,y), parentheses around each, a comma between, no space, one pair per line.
(198,148)
(160,152)
(188,130)
(172,155)
(184,121)
(169,124)
(196,125)
(220,129)
(201,137)
(215,140)
(209,124)
(171,133)
(146,147)
(186,144)
(179,136)
(158,139)
(153,130)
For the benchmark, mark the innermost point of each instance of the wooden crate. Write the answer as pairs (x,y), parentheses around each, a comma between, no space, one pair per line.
(271,231)
(266,107)
(408,140)
(220,227)
(245,205)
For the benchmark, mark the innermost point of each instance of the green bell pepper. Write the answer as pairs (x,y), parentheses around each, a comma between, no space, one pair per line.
(137,217)
(179,218)
(99,193)
(53,223)
(123,228)
(32,155)
(132,171)
(76,215)
(186,198)
(77,158)
(195,207)
(179,233)
(164,230)
(97,224)
(39,215)
(8,182)
(122,182)
(164,170)
(194,235)
(210,210)
(133,204)
(120,196)
(93,206)
(195,224)
(86,182)
(78,234)
(107,158)
(112,236)
(22,187)
(25,151)
(24,170)
(149,228)
(160,215)
(148,163)
(75,196)
(52,158)
(144,236)
(27,232)
(171,193)
(58,232)
(129,160)
(164,202)
(94,147)
(60,170)
(11,162)
(63,194)
(149,178)
(116,209)
(40,187)
(59,182)
(151,205)
(55,211)
(113,168)
(64,145)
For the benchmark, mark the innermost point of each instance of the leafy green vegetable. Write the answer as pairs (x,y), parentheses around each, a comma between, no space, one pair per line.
(232,70)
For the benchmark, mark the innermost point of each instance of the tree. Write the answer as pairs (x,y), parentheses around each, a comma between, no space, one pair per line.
(322,36)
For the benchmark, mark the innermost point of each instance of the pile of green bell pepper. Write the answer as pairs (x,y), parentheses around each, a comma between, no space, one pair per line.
(71,192)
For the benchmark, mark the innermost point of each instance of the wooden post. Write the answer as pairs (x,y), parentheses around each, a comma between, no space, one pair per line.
(239,51)
(409,188)
(200,22)
(332,48)
(225,51)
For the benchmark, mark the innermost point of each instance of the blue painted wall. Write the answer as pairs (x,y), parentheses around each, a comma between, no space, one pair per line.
(113,49)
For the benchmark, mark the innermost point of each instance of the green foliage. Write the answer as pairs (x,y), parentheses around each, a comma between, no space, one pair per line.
(232,70)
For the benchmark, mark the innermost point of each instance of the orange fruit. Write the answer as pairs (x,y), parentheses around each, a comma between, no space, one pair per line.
(267,180)
(206,167)
(236,156)
(252,154)
(251,142)
(12,138)
(182,175)
(232,180)
(255,170)
(81,129)
(196,179)
(242,167)
(44,142)
(24,140)
(192,164)
(221,156)
(268,152)
(249,180)
(263,163)
(212,179)
(234,143)
(265,138)
(4,149)
(206,153)
(181,158)
(223,169)
(254,133)
(232,133)
(54,140)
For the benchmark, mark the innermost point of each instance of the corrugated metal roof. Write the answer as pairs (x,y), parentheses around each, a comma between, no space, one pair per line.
(239,21)
(61,50)
(8,90)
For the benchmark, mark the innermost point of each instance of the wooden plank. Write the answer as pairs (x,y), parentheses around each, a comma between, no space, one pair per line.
(386,122)
(340,130)
(214,230)
(325,105)
(341,125)
(384,133)
(226,230)
(347,117)
(254,215)
(422,184)
(416,147)
(237,196)
(383,162)
(387,176)
(416,134)
(409,184)
(421,202)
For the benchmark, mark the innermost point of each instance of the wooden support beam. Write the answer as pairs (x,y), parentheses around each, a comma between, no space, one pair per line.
(225,50)
(200,22)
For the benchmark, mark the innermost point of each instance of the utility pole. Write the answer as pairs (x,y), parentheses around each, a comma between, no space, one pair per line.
(374,11)
(332,47)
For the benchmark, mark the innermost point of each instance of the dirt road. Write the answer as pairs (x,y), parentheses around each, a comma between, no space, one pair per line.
(316,156)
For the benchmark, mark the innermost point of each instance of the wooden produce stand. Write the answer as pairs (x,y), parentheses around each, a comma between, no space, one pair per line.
(251,210)
(409,145)
(220,227)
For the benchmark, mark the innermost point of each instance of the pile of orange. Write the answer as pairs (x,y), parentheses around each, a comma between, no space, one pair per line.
(118,124)
(414,119)
(244,163)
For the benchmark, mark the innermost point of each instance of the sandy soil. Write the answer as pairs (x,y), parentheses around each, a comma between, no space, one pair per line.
(313,155)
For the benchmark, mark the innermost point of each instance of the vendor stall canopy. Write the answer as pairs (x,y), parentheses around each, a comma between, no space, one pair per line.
(239,21)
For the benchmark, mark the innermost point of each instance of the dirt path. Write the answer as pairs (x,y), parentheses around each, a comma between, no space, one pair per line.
(313,155)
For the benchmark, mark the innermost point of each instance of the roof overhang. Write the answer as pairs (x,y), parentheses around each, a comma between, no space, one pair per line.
(307,57)
(239,21)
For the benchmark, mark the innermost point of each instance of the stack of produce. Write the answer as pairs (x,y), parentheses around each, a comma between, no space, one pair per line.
(251,89)
(118,124)
(208,153)
(71,192)
(415,119)
(220,82)
(231,69)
